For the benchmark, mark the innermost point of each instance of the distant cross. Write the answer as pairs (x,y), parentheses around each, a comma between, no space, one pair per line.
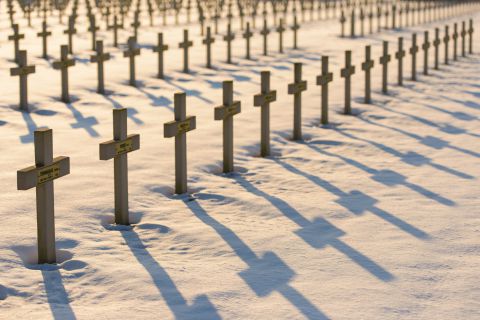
(370,21)
(265,31)
(41,176)
(15,37)
(23,70)
(247,35)
(394,16)
(208,41)
(323,80)
(296,88)
(229,38)
(185,45)
(160,48)
(379,18)
(352,24)
(470,38)
(342,24)
(399,55)
(100,58)
(178,129)
(135,24)
(118,148)
(413,52)
(131,52)
(70,32)
(455,38)
(387,13)
(384,60)
(425,47)
(225,112)
(295,27)
(263,100)
(93,30)
(367,66)
(362,19)
(63,64)
(347,73)
(463,34)
(446,40)
(44,34)
(436,44)
(115,26)
(280,30)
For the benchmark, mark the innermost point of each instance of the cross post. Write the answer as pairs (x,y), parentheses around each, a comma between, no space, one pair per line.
(263,100)
(436,44)
(295,27)
(228,38)
(23,70)
(131,52)
(160,48)
(208,41)
(413,52)
(16,40)
(323,80)
(247,35)
(265,31)
(296,88)
(100,58)
(44,34)
(399,55)
(347,73)
(384,60)
(185,45)
(63,64)
(367,66)
(280,30)
(446,40)
(425,47)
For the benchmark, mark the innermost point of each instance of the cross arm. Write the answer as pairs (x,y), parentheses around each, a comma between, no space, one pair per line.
(33,176)
(223,112)
(175,128)
(22,71)
(297,87)
(263,98)
(113,148)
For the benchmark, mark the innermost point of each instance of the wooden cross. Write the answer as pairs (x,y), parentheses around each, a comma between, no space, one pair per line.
(370,21)
(178,129)
(44,34)
(265,31)
(470,36)
(455,37)
(347,73)
(23,70)
(70,31)
(280,30)
(352,24)
(100,58)
(15,37)
(247,35)
(379,18)
(323,80)
(399,55)
(185,45)
(413,51)
(436,44)
(362,18)
(160,48)
(400,14)
(295,27)
(425,47)
(225,113)
(41,176)
(367,66)
(463,34)
(131,52)
(215,18)
(135,24)
(446,40)
(394,16)
(228,38)
(342,24)
(63,64)
(263,100)
(384,60)
(115,26)
(208,41)
(118,149)
(296,88)
(93,29)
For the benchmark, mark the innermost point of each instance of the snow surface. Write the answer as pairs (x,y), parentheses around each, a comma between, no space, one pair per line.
(375,216)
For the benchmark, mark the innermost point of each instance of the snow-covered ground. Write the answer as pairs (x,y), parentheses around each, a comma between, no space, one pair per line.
(375,216)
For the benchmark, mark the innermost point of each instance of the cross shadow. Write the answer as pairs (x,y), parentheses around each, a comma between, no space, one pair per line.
(31,126)
(201,308)
(265,274)
(82,122)
(157,101)
(131,112)
(190,92)
(57,296)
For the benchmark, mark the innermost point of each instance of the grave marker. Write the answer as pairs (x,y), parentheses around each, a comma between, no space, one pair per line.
(208,41)
(352,24)
(247,35)
(296,88)
(399,55)
(425,47)
(263,100)
(93,28)
(413,51)
(367,66)
(16,37)
(347,73)
(185,45)
(160,48)
(115,26)
(131,52)
(446,40)
(265,31)
(470,37)
(384,60)
(70,31)
(455,37)
(323,80)
(342,24)
(295,27)
(63,64)
(44,34)
(280,30)
(436,44)
(23,70)
(118,148)
(463,34)
(228,38)
(100,58)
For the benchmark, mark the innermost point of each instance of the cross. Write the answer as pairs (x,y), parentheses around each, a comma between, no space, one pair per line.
(399,55)
(100,58)
(185,45)
(263,100)
(296,88)
(160,48)
(178,128)
(455,37)
(225,113)
(118,149)
(115,26)
(23,70)
(342,24)
(280,30)
(413,51)
(362,17)
(215,18)
(394,16)
(425,47)
(387,13)
(93,29)
(295,27)
(379,18)
(16,40)
(70,31)
(446,40)
(135,24)
(208,41)
(352,24)
(384,60)
(470,38)
(436,44)
(247,35)
(228,38)
(463,34)
(367,66)
(346,73)
(44,34)
(63,64)
(370,20)
(41,176)
(265,31)
(131,52)
(400,14)
(323,80)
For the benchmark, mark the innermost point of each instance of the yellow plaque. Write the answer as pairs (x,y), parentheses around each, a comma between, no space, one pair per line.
(269,97)
(183,126)
(301,86)
(231,110)
(48,173)
(123,147)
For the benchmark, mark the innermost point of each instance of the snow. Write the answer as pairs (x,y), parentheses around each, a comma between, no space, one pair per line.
(375,216)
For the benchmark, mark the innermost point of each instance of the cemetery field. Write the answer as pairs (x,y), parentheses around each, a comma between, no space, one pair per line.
(373,216)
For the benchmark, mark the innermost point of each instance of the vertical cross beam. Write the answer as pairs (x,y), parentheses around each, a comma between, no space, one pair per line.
(263,101)
(342,24)
(16,40)
(346,73)
(367,66)
(436,44)
(247,35)
(265,33)
(185,45)
(425,47)
(323,80)
(131,52)
(100,58)
(63,64)
(208,43)
(44,34)
(413,52)
(296,88)
(352,24)
(160,49)
(455,37)
(384,60)
(446,39)
(280,30)
(399,56)
(463,34)
(470,37)
(228,38)
(295,28)
(23,70)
